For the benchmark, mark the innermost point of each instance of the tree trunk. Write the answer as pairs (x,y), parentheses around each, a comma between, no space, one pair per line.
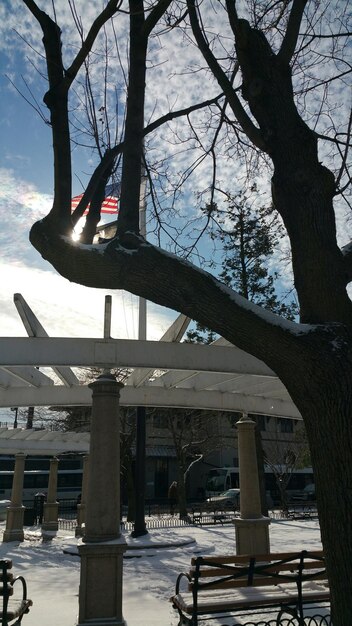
(325,402)
(181,485)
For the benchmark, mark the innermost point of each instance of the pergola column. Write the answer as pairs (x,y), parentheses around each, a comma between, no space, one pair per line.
(252,528)
(15,512)
(100,592)
(51,506)
(81,507)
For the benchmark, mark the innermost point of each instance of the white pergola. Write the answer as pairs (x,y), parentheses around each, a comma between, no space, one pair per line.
(159,373)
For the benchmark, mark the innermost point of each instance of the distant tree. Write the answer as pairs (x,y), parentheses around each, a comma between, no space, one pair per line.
(250,237)
(283,459)
(194,436)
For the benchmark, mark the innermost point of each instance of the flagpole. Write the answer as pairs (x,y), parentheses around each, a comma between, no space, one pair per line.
(139,523)
(142,308)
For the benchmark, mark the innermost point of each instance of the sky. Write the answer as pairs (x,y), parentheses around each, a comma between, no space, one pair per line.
(148,579)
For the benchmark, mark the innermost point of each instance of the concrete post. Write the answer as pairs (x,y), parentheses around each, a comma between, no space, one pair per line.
(100,592)
(15,512)
(51,506)
(81,507)
(252,528)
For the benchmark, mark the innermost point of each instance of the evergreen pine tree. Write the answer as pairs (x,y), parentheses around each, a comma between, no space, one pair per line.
(249,236)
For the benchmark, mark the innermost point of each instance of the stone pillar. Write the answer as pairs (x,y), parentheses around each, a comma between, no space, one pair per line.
(81,507)
(100,591)
(252,528)
(51,506)
(15,512)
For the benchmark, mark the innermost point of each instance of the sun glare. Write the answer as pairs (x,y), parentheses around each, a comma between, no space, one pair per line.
(78,229)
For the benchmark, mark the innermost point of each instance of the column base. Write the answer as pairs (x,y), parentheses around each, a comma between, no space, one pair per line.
(50,526)
(252,535)
(51,511)
(14,524)
(100,591)
(79,531)
(102,622)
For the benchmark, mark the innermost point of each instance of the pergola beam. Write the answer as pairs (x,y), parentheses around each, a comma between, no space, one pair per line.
(151,396)
(35,329)
(173,334)
(112,353)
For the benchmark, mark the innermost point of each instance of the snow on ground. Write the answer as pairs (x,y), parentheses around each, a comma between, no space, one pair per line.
(149,574)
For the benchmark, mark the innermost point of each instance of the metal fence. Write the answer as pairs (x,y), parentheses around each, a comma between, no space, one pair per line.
(158,515)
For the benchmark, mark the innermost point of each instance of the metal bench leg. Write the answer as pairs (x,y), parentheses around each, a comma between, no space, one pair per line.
(290,611)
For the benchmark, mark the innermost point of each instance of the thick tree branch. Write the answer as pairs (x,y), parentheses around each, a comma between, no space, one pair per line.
(111,8)
(56,100)
(252,132)
(292,31)
(129,262)
(154,16)
(128,218)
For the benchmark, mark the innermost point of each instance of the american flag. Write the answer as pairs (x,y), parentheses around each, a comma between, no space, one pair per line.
(110,203)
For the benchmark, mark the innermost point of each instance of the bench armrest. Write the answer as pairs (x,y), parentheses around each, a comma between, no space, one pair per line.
(24,586)
(178,580)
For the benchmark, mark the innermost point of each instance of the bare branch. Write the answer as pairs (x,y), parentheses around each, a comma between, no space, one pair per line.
(36,107)
(168,117)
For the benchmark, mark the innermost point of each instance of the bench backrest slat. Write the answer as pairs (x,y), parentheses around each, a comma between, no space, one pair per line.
(207,572)
(242,559)
(242,571)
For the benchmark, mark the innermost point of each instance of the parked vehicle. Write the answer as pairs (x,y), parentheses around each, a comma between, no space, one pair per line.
(229,498)
(306,495)
(219,479)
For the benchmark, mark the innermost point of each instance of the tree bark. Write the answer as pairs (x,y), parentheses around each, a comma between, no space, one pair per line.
(327,408)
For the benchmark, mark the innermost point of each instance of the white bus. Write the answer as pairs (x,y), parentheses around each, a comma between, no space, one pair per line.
(219,479)
(69,484)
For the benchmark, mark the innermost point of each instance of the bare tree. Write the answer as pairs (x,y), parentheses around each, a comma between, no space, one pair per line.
(283,460)
(194,436)
(313,357)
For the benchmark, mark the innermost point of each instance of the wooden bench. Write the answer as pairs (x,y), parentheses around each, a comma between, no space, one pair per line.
(12,608)
(228,584)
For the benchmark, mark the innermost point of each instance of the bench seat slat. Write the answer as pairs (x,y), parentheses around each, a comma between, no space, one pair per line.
(248,597)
